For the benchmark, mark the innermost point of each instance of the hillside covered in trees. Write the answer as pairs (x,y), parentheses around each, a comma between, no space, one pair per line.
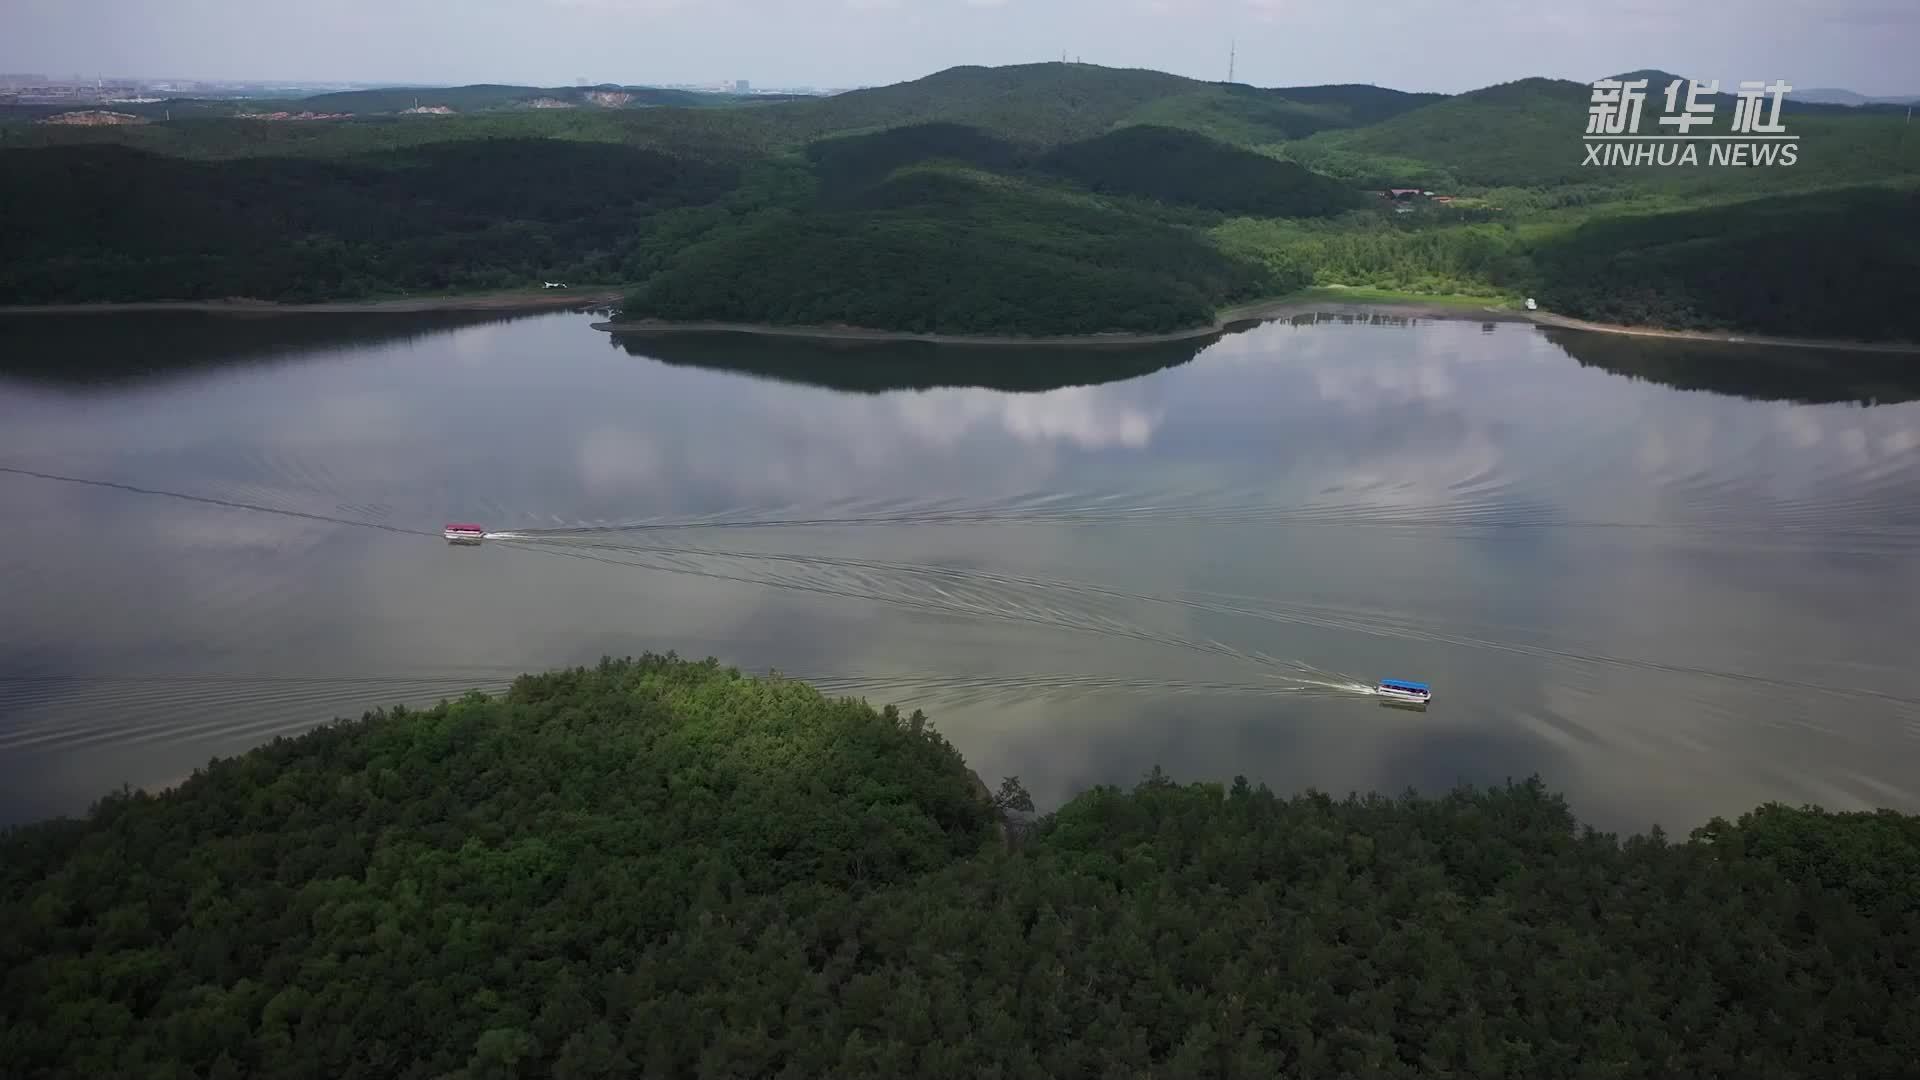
(661,868)
(1034,199)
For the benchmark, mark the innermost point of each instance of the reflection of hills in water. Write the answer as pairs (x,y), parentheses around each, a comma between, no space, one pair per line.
(115,347)
(873,367)
(1755,372)
(1344,318)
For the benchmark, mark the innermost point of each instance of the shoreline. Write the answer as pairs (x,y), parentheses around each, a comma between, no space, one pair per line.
(1719,337)
(540,300)
(1326,300)
(1228,321)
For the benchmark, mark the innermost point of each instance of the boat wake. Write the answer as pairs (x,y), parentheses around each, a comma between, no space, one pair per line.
(1104,609)
(1086,607)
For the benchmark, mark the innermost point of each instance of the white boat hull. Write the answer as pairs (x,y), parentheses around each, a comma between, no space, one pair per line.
(465,538)
(1402,695)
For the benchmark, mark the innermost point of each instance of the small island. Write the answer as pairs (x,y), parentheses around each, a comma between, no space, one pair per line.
(660,867)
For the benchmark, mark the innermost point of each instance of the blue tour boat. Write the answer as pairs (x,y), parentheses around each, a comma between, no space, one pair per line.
(1402,690)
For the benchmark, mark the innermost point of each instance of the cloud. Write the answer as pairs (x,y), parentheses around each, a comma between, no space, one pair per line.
(1090,418)
(618,461)
(621,7)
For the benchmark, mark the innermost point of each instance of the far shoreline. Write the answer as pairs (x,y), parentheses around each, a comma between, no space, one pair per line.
(1720,337)
(1332,300)
(1314,302)
(515,300)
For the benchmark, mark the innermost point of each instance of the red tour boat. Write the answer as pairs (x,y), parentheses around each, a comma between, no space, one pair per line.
(463,533)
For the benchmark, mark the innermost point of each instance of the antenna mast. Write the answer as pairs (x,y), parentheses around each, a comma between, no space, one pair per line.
(1233,54)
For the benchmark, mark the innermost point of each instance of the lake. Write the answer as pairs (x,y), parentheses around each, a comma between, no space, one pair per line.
(1673,581)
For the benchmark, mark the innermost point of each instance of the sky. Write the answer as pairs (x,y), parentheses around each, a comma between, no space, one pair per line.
(1862,45)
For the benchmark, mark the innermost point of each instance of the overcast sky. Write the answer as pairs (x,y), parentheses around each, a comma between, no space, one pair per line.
(1863,45)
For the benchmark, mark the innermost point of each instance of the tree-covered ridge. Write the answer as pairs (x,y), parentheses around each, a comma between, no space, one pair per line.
(660,868)
(110,223)
(947,250)
(1837,263)
(1036,104)
(1187,169)
(1171,166)
(849,165)
(1052,103)
(1526,134)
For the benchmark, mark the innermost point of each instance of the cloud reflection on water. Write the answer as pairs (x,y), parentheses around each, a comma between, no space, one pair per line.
(1433,501)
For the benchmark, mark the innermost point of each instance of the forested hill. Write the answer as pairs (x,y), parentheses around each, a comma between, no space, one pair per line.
(657,868)
(1036,199)
(1046,104)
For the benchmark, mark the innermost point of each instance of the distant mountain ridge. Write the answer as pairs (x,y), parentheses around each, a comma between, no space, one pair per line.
(1052,103)
(481,97)
(1830,96)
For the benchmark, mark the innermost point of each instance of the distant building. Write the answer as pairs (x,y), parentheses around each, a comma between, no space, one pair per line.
(309,115)
(741,86)
(1402,192)
(94,118)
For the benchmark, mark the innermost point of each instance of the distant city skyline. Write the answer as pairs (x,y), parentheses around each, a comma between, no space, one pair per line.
(1862,45)
(125,79)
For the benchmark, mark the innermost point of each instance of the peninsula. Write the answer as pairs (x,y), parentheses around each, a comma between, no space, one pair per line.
(662,867)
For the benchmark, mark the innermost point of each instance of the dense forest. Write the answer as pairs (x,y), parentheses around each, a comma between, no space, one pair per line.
(82,350)
(665,869)
(1183,168)
(113,223)
(1844,261)
(1034,199)
(949,250)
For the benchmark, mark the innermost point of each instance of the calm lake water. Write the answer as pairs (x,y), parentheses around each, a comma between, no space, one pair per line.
(1674,582)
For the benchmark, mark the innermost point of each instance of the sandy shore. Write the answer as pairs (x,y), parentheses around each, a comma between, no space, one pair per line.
(1229,319)
(535,300)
